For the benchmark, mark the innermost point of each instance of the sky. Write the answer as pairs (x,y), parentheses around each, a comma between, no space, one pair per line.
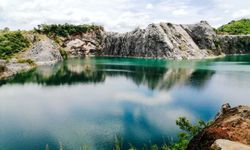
(119,15)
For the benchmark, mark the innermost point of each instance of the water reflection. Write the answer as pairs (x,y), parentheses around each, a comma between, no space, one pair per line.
(157,74)
(89,101)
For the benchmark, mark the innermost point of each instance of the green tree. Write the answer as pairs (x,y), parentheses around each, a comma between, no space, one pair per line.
(235,27)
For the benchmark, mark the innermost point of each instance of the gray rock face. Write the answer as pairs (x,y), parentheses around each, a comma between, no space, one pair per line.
(43,52)
(235,44)
(164,40)
(203,35)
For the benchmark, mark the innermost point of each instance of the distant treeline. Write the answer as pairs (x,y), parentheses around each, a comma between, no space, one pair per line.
(65,29)
(235,27)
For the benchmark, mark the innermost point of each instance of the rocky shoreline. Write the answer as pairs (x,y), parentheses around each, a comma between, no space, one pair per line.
(163,40)
(229,131)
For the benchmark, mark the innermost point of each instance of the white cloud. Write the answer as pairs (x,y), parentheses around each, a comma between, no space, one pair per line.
(242,13)
(118,15)
(149,6)
(179,12)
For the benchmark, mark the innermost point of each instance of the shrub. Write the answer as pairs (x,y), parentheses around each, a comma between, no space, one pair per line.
(65,30)
(11,43)
(63,53)
(189,129)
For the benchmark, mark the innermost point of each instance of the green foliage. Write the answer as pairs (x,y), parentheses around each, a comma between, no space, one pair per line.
(29,61)
(12,42)
(189,129)
(65,30)
(118,143)
(63,53)
(235,27)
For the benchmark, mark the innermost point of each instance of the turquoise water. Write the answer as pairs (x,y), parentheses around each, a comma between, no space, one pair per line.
(89,102)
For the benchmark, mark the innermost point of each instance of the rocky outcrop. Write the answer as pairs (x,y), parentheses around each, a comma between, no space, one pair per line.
(164,40)
(232,124)
(204,36)
(44,51)
(85,44)
(234,44)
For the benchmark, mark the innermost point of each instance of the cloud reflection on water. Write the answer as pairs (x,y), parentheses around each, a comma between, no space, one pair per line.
(90,101)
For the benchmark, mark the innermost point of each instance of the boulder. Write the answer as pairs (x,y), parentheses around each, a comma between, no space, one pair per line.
(221,144)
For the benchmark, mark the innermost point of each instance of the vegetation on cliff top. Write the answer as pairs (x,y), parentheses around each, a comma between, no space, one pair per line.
(12,42)
(235,27)
(65,30)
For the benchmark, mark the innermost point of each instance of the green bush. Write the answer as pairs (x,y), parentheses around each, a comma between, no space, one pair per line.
(12,42)
(235,27)
(189,129)
(63,53)
(65,30)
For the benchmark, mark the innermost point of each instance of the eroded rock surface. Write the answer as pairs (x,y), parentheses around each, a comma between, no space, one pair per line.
(164,40)
(235,44)
(85,44)
(44,51)
(204,36)
(233,124)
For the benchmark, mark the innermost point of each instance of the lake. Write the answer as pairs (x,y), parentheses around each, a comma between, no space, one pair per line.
(93,101)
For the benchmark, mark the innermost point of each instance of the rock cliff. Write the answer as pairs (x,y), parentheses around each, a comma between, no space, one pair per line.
(164,40)
(234,44)
(84,44)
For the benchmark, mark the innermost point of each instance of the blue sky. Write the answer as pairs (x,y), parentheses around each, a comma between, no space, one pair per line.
(119,15)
